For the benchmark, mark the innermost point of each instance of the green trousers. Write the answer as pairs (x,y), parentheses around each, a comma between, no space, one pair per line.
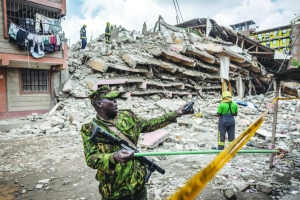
(139,195)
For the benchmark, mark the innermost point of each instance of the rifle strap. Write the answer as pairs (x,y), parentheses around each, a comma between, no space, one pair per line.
(121,135)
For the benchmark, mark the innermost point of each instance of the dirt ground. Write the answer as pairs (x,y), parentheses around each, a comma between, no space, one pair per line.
(28,159)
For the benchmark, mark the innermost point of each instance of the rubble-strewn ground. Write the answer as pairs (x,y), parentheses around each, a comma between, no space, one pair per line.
(42,155)
(45,160)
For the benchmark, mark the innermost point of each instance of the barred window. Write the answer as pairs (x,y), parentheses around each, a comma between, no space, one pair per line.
(24,15)
(34,80)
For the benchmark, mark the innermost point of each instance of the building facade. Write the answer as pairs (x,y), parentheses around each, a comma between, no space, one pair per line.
(278,38)
(33,55)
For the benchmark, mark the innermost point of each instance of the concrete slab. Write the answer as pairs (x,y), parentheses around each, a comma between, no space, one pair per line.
(165,103)
(153,139)
(265,133)
(98,64)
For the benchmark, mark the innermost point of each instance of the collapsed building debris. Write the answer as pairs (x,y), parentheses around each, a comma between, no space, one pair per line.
(170,61)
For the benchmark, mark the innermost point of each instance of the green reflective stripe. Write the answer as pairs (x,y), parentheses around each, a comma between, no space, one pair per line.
(221,143)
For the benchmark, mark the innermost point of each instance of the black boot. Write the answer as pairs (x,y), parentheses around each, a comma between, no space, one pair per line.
(220,147)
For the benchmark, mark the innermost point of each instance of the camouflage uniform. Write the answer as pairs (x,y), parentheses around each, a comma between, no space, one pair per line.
(119,179)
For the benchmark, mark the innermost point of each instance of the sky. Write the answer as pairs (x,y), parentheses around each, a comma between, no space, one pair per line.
(131,14)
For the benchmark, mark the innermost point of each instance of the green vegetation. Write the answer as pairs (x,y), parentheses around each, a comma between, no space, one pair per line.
(295,63)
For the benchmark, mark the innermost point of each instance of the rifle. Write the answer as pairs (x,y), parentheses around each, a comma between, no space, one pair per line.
(110,139)
(189,106)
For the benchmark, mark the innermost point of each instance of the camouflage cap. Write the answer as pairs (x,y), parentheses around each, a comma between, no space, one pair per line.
(103,92)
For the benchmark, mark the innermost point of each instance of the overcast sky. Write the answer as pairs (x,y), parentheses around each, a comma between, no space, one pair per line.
(131,14)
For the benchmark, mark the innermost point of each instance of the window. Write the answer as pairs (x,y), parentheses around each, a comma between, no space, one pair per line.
(284,40)
(275,33)
(284,31)
(268,44)
(267,35)
(34,80)
(274,41)
(259,36)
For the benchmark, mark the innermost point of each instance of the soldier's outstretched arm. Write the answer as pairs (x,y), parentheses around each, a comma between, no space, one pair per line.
(161,121)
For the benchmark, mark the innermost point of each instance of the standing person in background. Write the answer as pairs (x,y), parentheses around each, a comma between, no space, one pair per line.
(227,110)
(83,36)
(107,33)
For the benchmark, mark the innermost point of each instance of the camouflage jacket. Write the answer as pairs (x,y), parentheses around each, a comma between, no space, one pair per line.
(122,179)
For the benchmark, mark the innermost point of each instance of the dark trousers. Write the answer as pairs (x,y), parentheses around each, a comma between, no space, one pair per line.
(83,43)
(221,135)
(107,39)
(139,195)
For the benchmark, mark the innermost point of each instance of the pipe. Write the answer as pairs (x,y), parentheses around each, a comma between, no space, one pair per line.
(199,152)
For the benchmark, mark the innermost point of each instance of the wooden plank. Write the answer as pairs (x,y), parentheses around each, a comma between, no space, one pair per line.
(252,46)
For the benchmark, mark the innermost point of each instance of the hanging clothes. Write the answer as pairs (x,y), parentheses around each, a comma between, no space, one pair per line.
(57,40)
(22,41)
(56,26)
(46,40)
(39,23)
(58,43)
(48,22)
(37,50)
(30,39)
(52,39)
(13,30)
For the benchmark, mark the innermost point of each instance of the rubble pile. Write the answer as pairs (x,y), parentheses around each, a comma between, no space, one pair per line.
(170,61)
(245,174)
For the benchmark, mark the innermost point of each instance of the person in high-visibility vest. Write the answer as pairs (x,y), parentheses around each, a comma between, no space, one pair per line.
(107,33)
(227,110)
(83,36)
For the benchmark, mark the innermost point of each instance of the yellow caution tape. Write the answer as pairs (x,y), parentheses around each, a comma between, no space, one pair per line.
(288,98)
(197,183)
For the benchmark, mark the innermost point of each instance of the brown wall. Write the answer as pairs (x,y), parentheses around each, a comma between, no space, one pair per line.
(24,102)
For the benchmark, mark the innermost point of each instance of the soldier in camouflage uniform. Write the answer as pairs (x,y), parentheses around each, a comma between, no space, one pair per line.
(119,175)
